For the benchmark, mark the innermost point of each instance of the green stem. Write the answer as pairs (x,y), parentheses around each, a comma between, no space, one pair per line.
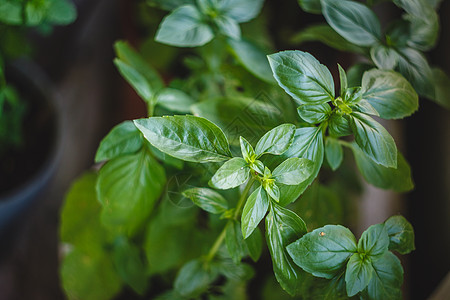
(345,144)
(215,247)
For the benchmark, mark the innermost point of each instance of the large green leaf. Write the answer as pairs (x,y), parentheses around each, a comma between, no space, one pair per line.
(253,58)
(374,140)
(130,57)
(387,278)
(442,88)
(80,216)
(389,93)
(324,251)
(293,171)
(11,12)
(358,274)
(239,116)
(89,277)
(308,143)
(334,153)
(228,27)
(129,265)
(123,139)
(184,27)
(276,141)
(136,80)
(325,34)
(302,77)
(186,137)
(401,234)
(254,211)
(413,65)
(231,174)
(128,187)
(193,279)
(374,241)
(314,114)
(385,58)
(353,20)
(282,228)
(398,179)
(240,10)
(207,199)
(174,100)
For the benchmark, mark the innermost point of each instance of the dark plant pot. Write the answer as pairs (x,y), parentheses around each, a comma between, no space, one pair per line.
(25,173)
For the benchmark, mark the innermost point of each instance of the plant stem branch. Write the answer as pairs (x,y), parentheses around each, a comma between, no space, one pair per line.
(215,247)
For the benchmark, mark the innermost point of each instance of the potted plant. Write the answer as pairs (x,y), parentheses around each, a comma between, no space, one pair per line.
(29,136)
(233,185)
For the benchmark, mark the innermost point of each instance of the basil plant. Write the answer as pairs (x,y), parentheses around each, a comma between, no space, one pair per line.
(232,185)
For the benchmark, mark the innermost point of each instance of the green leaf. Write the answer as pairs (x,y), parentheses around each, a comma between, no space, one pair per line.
(34,12)
(339,125)
(324,251)
(193,279)
(397,179)
(293,171)
(231,174)
(352,95)
(241,10)
(325,34)
(353,20)
(276,141)
(273,190)
(166,158)
(207,199)
(80,222)
(334,153)
(314,114)
(129,265)
(343,80)
(374,140)
(385,58)
(374,241)
(311,6)
(136,80)
(442,88)
(247,150)
(365,107)
(302,77)
(282,228)
(413,66)
(240,116)
(174,100)
(254,211)
(128,187)
(228,27)
(133,59)
(389,93)
(308,143)
(401,234)
(123,139)
(11,12)
(89,277)
(253,58)
(358,274)
(186,137)
(424,23)
(61,12)
(254,244)
(387,279)
(235,241)
(184,27)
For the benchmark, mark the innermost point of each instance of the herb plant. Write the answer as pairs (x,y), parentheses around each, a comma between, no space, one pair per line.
(178,207)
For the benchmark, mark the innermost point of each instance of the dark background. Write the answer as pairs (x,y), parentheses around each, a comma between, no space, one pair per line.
(91,96)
